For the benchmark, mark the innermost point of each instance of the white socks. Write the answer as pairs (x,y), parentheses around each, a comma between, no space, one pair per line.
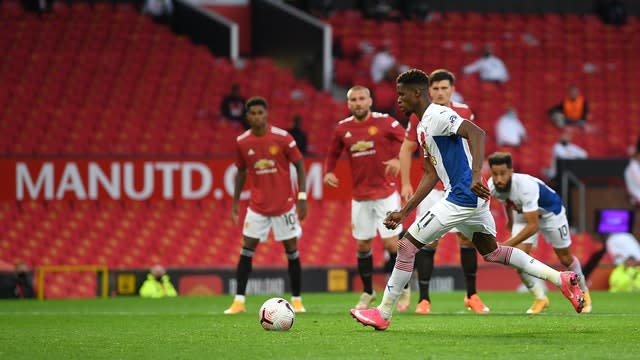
(536,286)
(576,268)
(399,278)
(397,281)
(519,259)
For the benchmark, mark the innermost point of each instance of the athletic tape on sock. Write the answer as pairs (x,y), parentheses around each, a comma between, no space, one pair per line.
(246,252)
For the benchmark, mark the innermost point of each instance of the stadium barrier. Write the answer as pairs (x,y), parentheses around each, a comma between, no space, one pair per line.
(221,281)
(264,281)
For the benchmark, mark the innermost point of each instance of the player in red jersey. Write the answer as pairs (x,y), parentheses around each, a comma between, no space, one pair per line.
(264,153)
(370,139)
(441,88)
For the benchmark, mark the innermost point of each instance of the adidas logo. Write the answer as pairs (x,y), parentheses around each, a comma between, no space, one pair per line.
(250,152)
(348,134)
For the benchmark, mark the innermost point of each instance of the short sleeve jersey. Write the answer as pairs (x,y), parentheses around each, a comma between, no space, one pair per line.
(267,159)
(449,153)
(367,143)
(462,109)
(527,194)
(411,134)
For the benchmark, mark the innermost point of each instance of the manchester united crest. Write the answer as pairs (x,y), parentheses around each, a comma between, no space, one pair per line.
(273,149)
(372,130)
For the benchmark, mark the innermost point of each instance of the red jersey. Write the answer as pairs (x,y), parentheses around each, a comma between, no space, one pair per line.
(267,159)
(412,135)
(368,143)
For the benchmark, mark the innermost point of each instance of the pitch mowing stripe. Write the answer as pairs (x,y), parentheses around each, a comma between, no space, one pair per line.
(122,313)
(437,314)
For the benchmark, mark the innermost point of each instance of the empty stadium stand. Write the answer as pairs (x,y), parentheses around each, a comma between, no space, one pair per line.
(104,80)
(107,80)
(544,53)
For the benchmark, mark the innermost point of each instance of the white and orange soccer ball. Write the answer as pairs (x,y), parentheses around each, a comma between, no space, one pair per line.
(276,314)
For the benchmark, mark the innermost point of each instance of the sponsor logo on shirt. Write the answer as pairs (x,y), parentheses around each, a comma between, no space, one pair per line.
(265,166)
(362,148)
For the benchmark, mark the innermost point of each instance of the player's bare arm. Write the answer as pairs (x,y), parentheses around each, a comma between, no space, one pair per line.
(531,218)
(407,149)
(301,206)
(509,211)
(476,138)
(428,181)
(241,178)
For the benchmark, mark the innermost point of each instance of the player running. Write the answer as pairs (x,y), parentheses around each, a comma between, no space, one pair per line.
(466,205)
(441,89)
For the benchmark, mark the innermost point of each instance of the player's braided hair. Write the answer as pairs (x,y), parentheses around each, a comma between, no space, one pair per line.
(255,100)
(440,75)
(501,158)
(413,77)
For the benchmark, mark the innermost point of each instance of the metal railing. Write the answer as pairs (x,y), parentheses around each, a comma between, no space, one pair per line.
(567,178)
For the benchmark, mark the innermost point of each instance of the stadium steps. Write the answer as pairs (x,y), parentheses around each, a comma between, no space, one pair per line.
(105,80)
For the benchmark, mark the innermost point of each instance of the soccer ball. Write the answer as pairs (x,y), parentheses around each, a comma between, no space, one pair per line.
(276,314)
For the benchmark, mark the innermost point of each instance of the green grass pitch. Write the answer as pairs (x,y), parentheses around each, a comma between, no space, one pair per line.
(195,328)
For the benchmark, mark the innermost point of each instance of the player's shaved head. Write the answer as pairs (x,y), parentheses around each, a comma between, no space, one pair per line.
(359,102)
(501,158)
(359,88)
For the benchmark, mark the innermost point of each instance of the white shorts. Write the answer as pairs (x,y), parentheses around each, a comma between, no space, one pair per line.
(285,226)
(429,201)
(444,216)
(554,228)
(367,217)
